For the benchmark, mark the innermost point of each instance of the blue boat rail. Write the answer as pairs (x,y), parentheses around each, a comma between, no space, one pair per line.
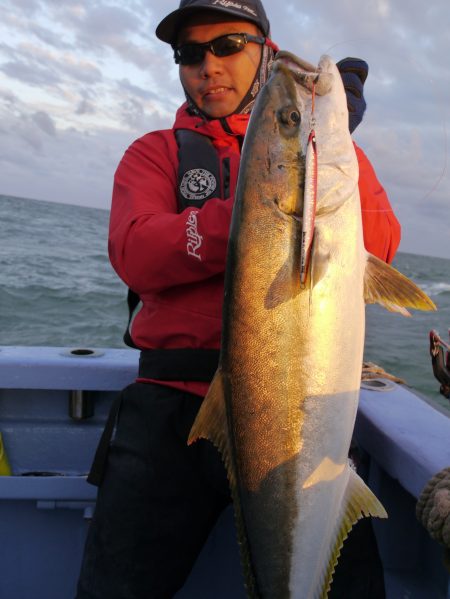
(53,405)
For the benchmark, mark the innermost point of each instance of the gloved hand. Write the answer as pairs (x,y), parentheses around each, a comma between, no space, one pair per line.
(354,73)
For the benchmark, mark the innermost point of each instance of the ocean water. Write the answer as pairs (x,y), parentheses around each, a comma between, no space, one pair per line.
(57,288)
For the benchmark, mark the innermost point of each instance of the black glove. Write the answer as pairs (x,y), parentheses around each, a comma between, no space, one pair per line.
(354,73)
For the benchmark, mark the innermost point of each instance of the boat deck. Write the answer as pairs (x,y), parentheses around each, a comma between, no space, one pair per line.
(46,505)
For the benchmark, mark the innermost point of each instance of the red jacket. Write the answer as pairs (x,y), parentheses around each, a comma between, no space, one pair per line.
(182,290)
(381,229)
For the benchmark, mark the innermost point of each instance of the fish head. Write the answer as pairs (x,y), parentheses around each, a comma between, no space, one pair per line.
(322,102)
(274,193)
(272,165)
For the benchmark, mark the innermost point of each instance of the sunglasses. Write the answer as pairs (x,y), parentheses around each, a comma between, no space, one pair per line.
(225,45)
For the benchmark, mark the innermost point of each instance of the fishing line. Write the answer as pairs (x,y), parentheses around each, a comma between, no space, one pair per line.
(437,98)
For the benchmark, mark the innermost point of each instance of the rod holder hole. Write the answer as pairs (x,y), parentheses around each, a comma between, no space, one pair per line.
(377,385)
(81,352)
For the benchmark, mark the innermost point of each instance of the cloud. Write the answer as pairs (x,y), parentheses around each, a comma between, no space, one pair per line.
(39,66)
(105,22)
(44,122)
(48,36)
(85,107)
(79,80)
(126,86)
(28,6)
(40,159)
(22,127)
(27,73)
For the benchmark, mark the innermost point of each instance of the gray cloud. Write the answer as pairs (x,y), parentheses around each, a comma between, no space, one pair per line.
(29,73)
(126,86)
(99,74)
(81,164)
(142,57)
(82,71)
(44,122)
(109,21)
(8,98)
(48,36)
(38,66)
(28,6)
(85,107)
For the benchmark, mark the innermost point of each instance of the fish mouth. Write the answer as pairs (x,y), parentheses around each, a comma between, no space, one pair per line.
(304,72)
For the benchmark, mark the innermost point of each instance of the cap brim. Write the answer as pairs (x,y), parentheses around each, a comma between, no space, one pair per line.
(167,30)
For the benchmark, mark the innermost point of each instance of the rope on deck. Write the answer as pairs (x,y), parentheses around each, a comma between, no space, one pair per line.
(433,510)
(373,371)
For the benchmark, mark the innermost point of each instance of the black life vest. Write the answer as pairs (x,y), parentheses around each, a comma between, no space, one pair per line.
(200,178)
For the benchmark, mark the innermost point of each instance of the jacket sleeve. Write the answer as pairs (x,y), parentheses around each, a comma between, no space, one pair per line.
(151,246)
(381,229)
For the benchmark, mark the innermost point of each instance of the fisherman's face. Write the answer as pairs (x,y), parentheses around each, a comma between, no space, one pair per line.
(218,85)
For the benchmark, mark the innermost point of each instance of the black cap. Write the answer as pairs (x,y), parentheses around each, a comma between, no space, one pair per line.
(248,10)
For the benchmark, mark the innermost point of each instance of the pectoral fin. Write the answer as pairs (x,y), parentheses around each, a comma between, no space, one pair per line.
(327,470)
(358,502)
(384,285)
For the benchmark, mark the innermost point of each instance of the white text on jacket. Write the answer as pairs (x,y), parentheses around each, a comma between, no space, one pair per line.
(194,240)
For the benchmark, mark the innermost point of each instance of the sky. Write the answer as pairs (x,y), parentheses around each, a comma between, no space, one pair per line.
(81,79)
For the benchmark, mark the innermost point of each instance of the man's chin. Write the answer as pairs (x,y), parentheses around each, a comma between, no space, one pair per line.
(219,110)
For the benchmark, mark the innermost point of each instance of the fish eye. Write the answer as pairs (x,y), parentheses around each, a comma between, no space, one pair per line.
(289,116)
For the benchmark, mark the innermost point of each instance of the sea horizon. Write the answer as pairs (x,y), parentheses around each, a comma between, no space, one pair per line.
(107,209)
(57,288)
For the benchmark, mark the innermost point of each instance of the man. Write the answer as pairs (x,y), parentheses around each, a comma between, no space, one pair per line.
(172,202)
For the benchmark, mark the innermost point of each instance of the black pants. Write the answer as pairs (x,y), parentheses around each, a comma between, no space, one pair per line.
(159,500)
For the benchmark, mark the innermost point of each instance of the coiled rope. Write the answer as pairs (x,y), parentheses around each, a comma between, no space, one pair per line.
(373,371)
(433,510)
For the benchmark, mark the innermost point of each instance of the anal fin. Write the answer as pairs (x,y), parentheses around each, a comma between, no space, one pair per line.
(385,285)
(358,502)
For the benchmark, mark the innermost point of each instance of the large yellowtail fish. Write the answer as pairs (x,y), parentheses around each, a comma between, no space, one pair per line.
(282,405)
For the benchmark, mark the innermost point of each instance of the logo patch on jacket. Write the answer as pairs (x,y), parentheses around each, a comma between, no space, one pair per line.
(197,184)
